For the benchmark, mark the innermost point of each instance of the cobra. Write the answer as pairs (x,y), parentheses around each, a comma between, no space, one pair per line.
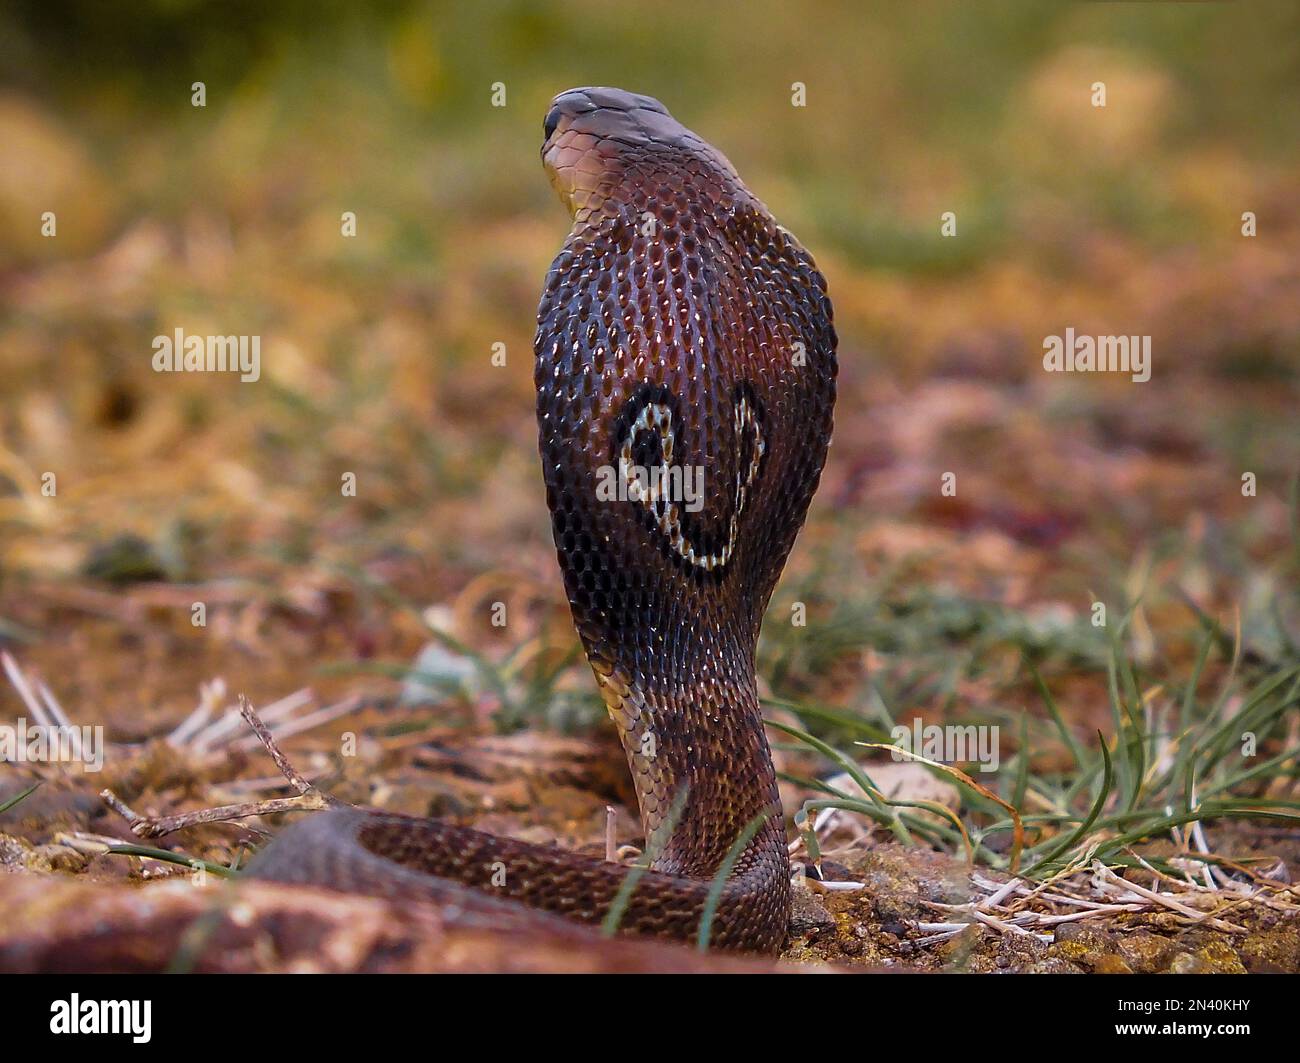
(680,327)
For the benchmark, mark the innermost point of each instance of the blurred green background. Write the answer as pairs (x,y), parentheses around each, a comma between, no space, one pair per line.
(376,349)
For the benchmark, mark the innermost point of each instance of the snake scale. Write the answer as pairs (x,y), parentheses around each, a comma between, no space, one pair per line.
(682,330)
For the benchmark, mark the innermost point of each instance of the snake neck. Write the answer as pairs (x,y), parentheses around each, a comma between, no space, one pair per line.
(685,740)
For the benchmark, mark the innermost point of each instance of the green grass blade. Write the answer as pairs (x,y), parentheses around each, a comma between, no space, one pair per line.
(18,797)
(719,882)
(1083,828)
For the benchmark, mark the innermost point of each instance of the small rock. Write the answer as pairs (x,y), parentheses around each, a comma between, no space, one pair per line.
(1186,963)
(1145,953)
(809,915)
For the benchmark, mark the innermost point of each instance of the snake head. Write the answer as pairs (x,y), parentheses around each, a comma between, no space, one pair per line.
(594,137)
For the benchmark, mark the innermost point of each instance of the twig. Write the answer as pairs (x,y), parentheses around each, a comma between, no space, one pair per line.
(211,695)
(309,798)
(21,684)
(296,779)
(157,826)
(1109,877)
(611,842)
(306,723)
(217,732)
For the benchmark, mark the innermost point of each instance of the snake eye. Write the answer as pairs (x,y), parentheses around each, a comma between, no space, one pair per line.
(552,120)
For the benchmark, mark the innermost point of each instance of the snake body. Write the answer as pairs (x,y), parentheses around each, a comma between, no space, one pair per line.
(685,371)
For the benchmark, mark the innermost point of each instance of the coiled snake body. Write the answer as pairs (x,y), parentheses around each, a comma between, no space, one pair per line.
(684,340)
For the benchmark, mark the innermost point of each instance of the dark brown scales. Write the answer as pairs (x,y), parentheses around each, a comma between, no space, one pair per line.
(680,325)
